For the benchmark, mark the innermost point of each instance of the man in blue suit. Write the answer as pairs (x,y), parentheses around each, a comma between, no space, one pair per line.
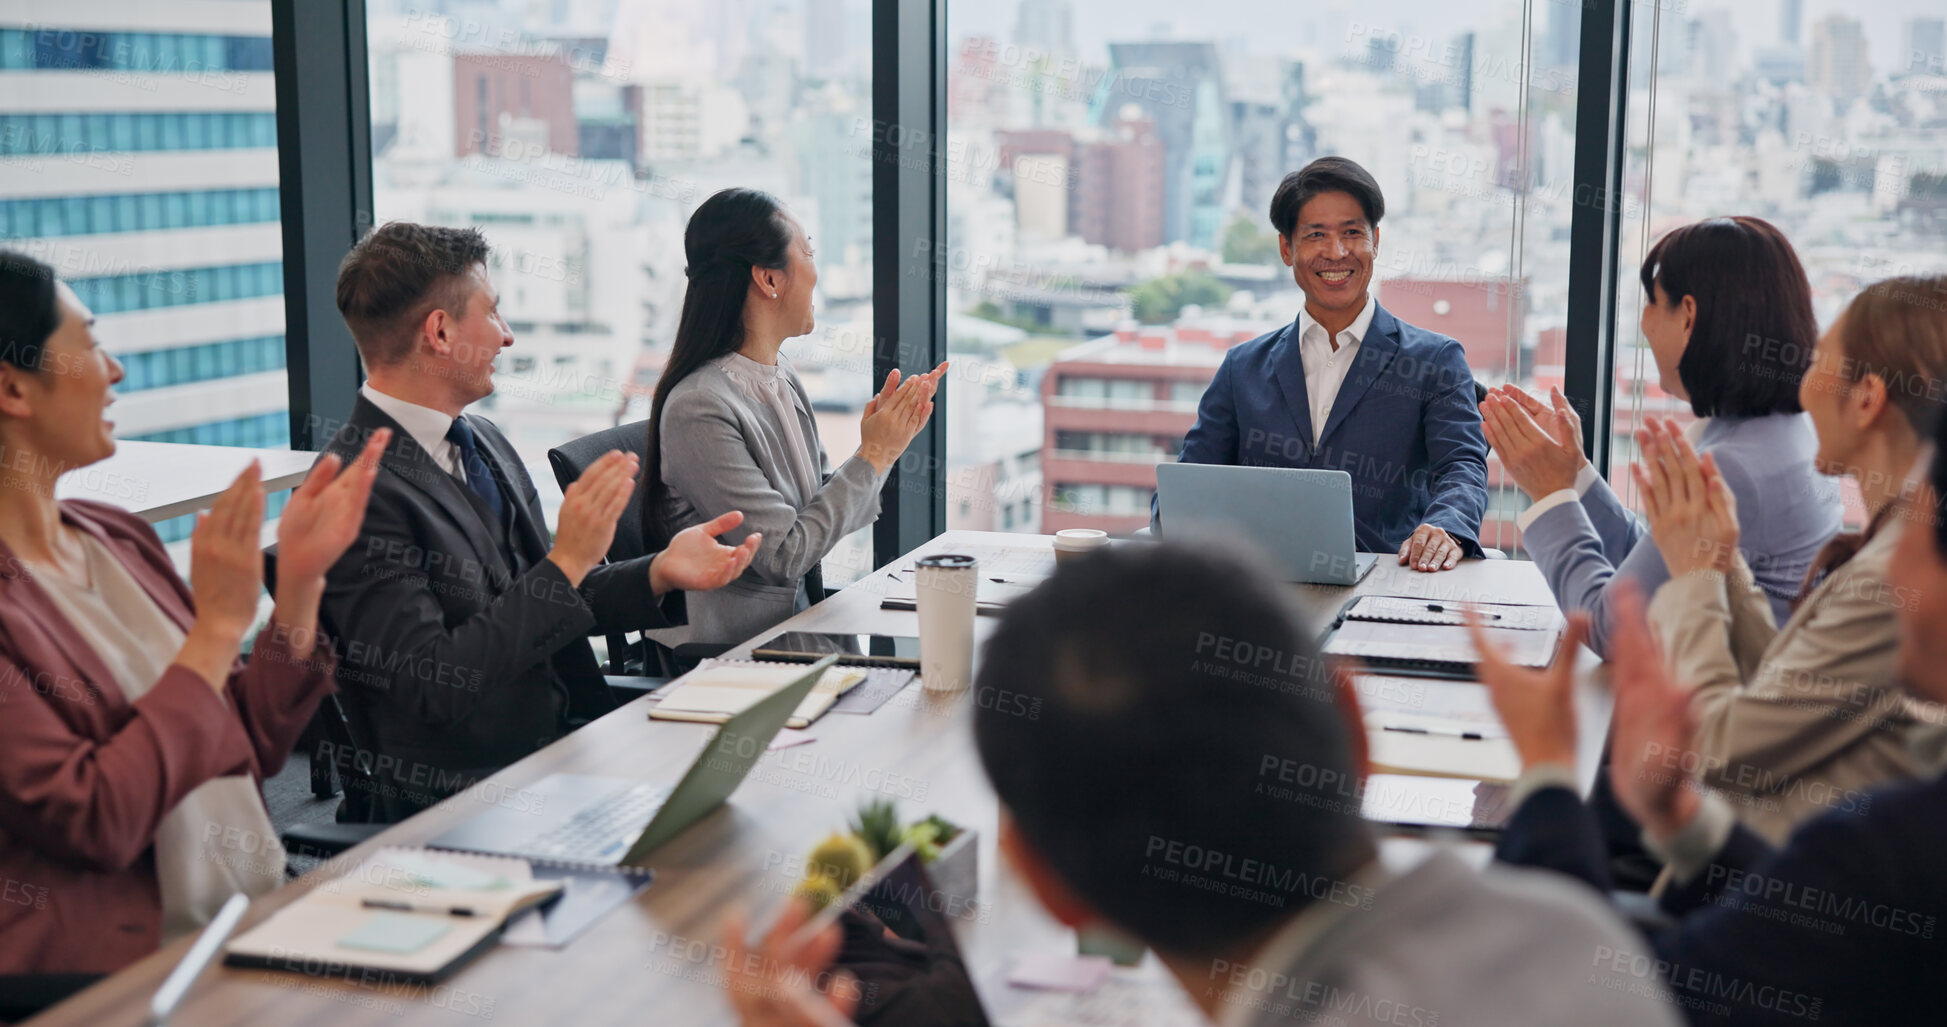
(1350,387)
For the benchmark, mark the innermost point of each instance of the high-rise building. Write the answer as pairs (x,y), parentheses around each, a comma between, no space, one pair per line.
(1564,35)
(500,98)
(1180,86)
(1046,25)
(1923,47)
(1118,197)
(824,36)
(1791,14)
(140,139)
(1838,66)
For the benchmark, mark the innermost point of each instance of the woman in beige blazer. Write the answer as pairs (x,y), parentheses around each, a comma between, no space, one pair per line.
(1800,720)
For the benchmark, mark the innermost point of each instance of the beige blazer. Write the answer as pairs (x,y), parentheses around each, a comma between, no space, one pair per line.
(1795,721)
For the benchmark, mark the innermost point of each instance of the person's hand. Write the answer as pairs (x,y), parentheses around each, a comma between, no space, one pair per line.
(589,507)
(895,415)
(1430,549)
(226,575)
(1536,706)
(776,986)
(323,517)
(1540,446)
(694,561)
(1691,513)
(1652,725)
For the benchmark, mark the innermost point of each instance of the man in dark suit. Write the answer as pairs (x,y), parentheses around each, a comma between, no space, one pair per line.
(1845,924)
(461,628)
(1350,387)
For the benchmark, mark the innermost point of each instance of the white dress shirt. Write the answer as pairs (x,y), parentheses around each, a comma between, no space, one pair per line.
(1326,367)
(427,426)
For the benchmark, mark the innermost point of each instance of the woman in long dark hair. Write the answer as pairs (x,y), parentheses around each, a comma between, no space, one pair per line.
(731,426)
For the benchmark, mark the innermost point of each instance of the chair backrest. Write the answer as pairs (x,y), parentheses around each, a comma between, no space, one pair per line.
(571,458)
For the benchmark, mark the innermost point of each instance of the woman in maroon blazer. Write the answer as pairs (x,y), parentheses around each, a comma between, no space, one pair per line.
(132,739)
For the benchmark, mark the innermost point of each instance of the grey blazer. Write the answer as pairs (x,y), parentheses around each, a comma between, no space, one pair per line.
(1444,946)
(722,451)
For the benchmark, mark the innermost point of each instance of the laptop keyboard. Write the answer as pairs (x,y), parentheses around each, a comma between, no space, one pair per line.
(604,830)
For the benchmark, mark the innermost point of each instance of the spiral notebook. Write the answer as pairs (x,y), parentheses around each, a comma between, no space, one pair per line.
(1408,610)
(411,914)
(719,689)
(1438,650)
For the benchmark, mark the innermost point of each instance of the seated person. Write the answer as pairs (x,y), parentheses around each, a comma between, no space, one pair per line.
(1217,820)
(1839,924)
(1350,387)
(462,629)
(1727,312)
(1790,718)
(731,427)
(132,738)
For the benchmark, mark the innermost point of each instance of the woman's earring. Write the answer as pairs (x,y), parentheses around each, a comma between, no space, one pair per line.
(774,295)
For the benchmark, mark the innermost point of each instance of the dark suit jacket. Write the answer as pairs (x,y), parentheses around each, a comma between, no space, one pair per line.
(461,649)
(1844,925)
(86,776)
(1405,426)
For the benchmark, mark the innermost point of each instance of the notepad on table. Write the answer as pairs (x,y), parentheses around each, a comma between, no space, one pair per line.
(414,914)
(719,689)
(1438,649)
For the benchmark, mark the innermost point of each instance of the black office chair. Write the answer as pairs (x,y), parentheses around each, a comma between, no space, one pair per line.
(634,668)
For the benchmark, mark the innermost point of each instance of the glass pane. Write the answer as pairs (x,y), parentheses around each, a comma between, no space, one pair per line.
(1109,238)
(111,107)
(580,136)
(1822,118)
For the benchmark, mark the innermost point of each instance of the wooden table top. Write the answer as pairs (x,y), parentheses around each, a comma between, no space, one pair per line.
(649,962)
(159,480)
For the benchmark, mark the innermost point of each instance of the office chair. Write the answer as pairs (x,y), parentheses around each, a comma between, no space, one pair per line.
(634,669)
(26,995)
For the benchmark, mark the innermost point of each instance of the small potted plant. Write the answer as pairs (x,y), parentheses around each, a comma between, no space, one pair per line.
(949,851)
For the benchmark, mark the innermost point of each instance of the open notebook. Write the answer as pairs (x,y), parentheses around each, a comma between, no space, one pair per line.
(413,914)
(719,689)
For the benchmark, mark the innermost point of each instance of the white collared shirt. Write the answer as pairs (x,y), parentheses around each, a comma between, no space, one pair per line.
(427,426)
(1325,367)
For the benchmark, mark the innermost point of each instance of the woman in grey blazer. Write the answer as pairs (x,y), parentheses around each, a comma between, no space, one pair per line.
(1796,720)
(731,426)
(1727,312)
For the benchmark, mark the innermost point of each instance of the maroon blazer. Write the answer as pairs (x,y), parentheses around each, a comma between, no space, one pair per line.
(86,776)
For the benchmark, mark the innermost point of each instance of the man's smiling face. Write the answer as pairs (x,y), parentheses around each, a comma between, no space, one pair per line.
(1331,251)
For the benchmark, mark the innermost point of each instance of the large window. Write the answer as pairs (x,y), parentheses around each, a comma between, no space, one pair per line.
(579,137)
(1109,186)
(1827,119)
(141,161)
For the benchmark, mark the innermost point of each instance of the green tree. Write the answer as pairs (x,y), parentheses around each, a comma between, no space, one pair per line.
(1159,300)
(1245,243)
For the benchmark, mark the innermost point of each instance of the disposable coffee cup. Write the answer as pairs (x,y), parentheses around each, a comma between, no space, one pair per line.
(1073,542)
(945,588)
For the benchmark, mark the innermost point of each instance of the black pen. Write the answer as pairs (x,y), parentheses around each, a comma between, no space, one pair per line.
(1470,736)
(1437,608)
(407,907)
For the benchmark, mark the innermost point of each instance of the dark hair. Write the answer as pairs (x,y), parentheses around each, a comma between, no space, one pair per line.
(29,312)
(1157,712)
(1754,333)
(730,233)
(399,273)
(1325,175)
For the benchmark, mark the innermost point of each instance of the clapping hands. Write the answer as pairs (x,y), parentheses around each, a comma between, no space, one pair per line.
(1691,513)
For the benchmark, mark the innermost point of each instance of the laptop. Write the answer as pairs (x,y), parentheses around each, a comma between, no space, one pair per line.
(607,821)
(1300,518)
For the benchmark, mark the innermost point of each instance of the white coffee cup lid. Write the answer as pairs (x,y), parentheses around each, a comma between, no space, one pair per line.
(1080,538)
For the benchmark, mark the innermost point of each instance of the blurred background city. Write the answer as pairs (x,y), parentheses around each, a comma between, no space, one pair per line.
(1110,166)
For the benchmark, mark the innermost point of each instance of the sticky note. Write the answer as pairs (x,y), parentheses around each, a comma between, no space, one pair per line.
(397,933)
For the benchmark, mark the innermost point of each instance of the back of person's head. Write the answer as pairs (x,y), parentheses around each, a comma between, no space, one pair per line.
(1754,331)
(399,273)
(1325,175)
(1161,727)
(732,232)
(29,310)
(1897,330)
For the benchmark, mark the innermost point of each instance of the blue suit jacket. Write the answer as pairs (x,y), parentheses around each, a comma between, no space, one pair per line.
(1405,425)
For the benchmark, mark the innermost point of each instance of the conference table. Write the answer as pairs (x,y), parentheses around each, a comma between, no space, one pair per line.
(652,961)
(159,480)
